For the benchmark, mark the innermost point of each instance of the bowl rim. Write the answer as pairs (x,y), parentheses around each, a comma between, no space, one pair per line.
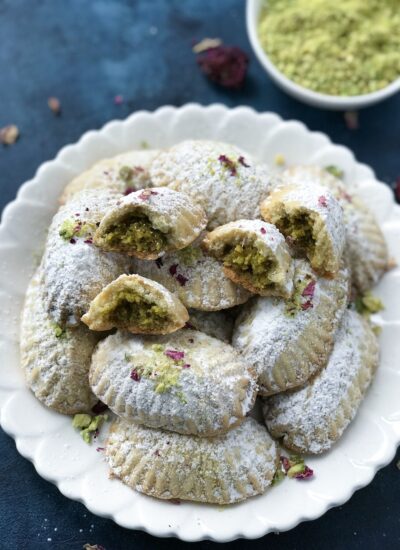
(301,92)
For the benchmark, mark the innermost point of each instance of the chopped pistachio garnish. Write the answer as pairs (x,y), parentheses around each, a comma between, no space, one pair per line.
(335,171)
(88,424)
(59,332)
(188,256)
(368,304)
(75,228)
(81,420)
(125,173)
(279,476)
(144,144)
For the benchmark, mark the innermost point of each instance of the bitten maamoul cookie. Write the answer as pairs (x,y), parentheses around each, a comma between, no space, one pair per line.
(220,470)
(123,174)
(313,418)
(138,305)
(287,342)
(55,362)
(255,255)
(218,324)
(312,221)
(365,247)
(220,177)
(186,382)
(149,223)
(197,279)
(74,270)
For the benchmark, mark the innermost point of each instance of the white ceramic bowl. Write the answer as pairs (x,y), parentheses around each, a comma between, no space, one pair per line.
(334,102)
(48,439)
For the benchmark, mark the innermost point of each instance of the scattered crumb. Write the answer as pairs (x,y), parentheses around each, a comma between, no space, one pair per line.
(206,44)
(9,134)
(54,105)
(279,160)
(153,30)
(144,145)
(118,99)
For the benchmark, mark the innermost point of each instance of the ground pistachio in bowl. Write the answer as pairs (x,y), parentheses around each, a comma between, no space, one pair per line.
(342,48)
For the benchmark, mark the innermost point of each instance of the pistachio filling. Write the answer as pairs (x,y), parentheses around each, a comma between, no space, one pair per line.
(135,232)
(128,308)
(247,259)
(298,228)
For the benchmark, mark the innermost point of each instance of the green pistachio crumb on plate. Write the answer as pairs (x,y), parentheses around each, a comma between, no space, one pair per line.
(335,171)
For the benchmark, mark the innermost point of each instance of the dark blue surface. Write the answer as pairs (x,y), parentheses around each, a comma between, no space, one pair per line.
(85,52)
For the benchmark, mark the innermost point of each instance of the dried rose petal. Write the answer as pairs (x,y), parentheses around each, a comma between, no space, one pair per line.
(175,355)
(351,120)
(172,269)
(174,501)
(159,263)
(9,134)
(157,452)
(99,407)
(181,279)
(306,474)
(307,305)
(224,65)
(129,190)
(72,241)
(118,99)
(88,241)
(263,230)
(100,449)
(186,366)
(228,163)
(54,105)
(310,289)
(322,201)
(145,195)
(242,161)
(135,375)
(285,463)
(190,326)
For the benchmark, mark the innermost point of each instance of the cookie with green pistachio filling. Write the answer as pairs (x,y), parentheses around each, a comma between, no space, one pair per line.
(186,382)
(219,470)
(312,221)
(255,255)
(289,341)
(149,223)
(312,419)
(138,305)
(365,246)
(55,360)
(123,174)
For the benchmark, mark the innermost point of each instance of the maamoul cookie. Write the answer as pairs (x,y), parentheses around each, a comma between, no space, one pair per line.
(218,324)
(313,418)
(138,305)
(312,221)
(255,255)
(220,470)
(365,246)
(74,270)
(220,177)
(287,342)
(186,382)
(196,278)
(55,362)
(149,222)
(123,174)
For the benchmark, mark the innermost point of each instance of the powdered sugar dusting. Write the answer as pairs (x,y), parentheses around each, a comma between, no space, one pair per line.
(74,273)
(220,470)
(210,395)
(196,168)
(265,332)
(304,416)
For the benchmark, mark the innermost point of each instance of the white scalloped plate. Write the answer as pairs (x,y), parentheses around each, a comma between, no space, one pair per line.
(48,440)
